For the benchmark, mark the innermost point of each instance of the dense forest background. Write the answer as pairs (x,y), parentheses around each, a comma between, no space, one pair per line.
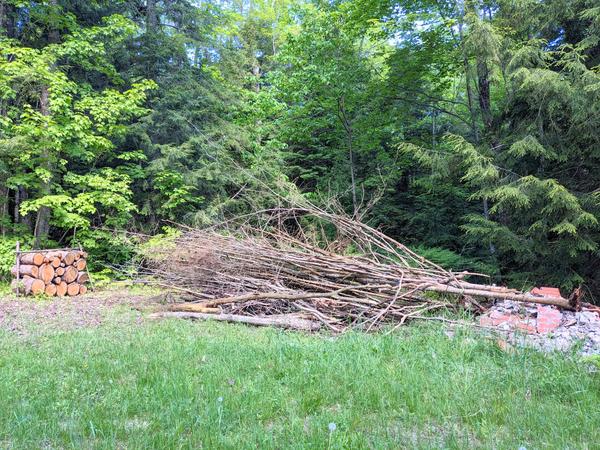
(466,129)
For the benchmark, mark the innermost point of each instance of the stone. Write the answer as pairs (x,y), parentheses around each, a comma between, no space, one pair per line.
(587,317)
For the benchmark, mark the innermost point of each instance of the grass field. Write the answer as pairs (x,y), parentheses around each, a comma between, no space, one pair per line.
(131,383)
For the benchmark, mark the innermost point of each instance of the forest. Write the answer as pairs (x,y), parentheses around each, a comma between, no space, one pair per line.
(467,129)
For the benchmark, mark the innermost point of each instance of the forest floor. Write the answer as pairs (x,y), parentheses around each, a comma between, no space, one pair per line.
(95,372)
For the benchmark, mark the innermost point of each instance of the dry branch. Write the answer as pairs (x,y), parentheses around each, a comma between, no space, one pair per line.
(271,263)
(287,321)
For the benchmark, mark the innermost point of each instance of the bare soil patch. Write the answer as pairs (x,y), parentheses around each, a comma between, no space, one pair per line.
(25,314)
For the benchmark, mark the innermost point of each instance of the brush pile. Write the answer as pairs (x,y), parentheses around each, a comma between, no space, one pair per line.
(51,272)
(273,273)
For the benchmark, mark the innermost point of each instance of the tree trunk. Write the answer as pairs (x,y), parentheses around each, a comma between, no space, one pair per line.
(483,82)
(17,213)
(3,7)
(151,16)
(467,69)
(42,223)
(4,216)
(352,173)
(350,145)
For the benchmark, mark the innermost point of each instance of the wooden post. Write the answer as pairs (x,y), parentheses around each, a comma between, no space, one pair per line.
(18,263)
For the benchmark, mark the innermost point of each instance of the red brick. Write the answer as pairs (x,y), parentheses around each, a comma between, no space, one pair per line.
(546,292)
(548,318)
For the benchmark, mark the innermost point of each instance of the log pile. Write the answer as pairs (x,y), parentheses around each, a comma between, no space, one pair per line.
(50,272)
(272,267)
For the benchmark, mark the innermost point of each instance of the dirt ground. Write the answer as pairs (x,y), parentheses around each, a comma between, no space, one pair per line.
(26,314)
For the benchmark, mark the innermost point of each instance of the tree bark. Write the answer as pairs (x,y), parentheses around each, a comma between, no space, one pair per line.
(3,7)
(29,285)
(32,258)
(347,124)
(151,16)
(4,216)
(291,322)
(25,269)
(483,81)
(467,69)
(42,223)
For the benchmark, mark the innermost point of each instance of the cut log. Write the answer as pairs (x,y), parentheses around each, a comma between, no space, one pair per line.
(73,289)
(46,273)
(193,307)
(82,289)
(80,264)
(25,269)
(57,280)
(69,258)
(36,259)
(50,290)
(61,289)
(62,264)
(55,262)
(29,285)
(70,274)
(289,321)
(60,271)
(527,298)
(83,277)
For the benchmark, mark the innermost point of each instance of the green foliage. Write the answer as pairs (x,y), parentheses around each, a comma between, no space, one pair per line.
(455,261)
(7,256)
(8,245)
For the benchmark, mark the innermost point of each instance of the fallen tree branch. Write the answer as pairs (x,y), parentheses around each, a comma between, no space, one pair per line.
(283,321)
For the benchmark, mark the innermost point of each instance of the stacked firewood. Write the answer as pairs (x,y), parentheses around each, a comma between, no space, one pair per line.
(51,272)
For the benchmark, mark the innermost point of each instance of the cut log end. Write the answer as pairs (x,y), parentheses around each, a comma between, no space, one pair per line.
(29,285)
(46,273)
(61,289)
(70,274)
(50,290)
(73,289)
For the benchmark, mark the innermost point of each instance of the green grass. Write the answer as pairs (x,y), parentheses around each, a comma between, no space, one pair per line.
(158,385)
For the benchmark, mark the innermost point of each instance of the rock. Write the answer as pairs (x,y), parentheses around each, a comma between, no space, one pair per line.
(548,329)
(587,317)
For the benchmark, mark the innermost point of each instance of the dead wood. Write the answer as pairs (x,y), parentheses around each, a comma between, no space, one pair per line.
(271,264)
(288,321)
